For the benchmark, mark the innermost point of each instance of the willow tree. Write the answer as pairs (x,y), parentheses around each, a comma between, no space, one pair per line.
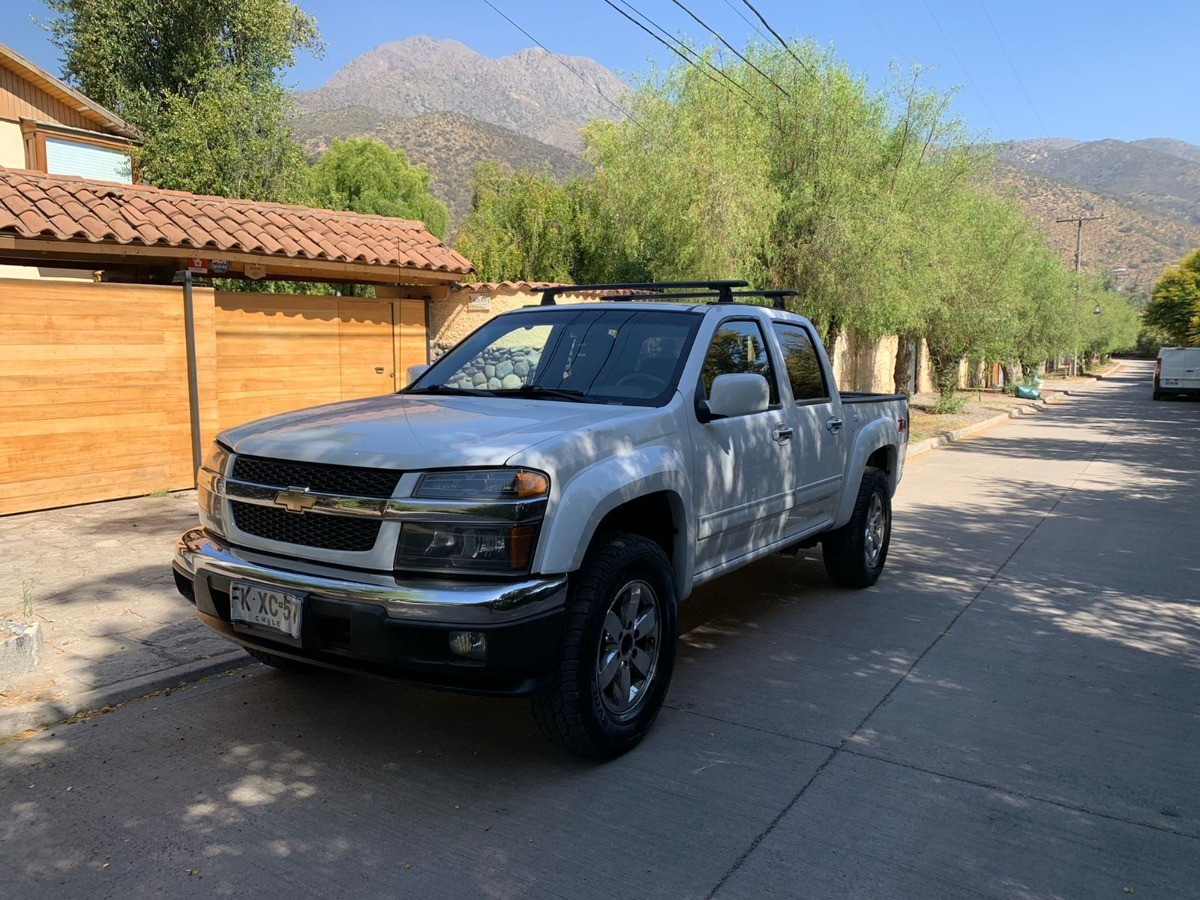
(366,175)
(520,227)
(784,168)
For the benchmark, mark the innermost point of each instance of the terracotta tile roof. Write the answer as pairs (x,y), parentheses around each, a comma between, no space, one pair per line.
(66,208)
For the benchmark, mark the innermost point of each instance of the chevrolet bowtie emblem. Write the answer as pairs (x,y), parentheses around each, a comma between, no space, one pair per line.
(296,499)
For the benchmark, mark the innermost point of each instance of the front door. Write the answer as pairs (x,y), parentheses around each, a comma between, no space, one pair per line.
(744,465)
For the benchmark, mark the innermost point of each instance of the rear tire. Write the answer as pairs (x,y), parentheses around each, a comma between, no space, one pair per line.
(855,553)
(283,663)
(619,650)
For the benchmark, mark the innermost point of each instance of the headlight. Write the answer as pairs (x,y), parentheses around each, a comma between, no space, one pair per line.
(216,458)
(483,484)
(445,547)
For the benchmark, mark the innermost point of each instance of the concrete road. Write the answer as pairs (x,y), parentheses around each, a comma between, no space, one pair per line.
(1013,711)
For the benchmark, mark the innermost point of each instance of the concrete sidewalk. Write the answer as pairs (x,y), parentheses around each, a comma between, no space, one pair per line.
(113,626)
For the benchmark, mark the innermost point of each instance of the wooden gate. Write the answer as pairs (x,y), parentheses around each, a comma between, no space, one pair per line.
(277,353)
(93,392)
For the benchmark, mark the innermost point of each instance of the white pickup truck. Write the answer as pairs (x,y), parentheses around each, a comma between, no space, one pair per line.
(527,515)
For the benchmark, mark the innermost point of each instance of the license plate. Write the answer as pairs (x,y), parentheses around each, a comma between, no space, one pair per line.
(265,607)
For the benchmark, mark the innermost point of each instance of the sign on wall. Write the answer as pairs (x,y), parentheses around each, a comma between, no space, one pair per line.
(481,302)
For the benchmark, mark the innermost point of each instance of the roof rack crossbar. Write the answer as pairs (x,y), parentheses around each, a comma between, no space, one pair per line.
(721,288)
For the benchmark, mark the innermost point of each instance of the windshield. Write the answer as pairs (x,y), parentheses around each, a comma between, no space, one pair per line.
(619,356)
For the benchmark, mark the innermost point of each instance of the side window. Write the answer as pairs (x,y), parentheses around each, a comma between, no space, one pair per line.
(803,366)
(738,347)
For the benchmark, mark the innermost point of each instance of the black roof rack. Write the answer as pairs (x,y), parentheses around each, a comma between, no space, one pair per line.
(722,291)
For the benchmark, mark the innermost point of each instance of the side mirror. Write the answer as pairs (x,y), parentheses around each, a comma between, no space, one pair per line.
(415,372)
(735,395)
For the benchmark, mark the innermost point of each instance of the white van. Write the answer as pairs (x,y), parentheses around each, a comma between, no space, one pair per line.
(1177,371)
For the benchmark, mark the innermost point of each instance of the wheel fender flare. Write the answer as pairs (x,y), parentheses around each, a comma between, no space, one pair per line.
(881,433)
(578,507)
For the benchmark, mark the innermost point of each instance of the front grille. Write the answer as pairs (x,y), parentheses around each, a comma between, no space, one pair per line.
(306,529)
(354,481)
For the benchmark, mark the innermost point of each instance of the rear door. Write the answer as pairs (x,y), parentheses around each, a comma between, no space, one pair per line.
(744,466)
(1181,369)
(819,444)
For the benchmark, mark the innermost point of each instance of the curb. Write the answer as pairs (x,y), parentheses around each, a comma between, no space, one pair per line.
(958,434)
(951,437)
(46,713)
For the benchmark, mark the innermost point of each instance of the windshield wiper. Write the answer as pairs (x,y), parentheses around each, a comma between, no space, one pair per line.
(447,389)
(537,392)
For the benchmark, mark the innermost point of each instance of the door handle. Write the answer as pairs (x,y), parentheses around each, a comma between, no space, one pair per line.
(834,425)
(379,370)
(782,434)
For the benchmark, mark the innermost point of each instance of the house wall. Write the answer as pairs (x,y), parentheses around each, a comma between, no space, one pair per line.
(19,99)
(12,146)
(94,398)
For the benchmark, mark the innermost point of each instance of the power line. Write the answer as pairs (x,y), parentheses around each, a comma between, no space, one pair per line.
(688,49)
(946,37)
(731,47)
(784,44)
(742,16)
(1037,115)
(560,61)
(678,53)
(887,36)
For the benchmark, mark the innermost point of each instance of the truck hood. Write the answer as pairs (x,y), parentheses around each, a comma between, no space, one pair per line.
(418,432)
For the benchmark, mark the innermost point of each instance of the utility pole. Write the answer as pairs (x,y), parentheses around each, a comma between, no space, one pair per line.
(1078,220)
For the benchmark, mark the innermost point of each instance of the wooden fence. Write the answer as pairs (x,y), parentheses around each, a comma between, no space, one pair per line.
(94,398)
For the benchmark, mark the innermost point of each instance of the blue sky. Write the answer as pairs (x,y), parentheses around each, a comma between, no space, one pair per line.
(1057,68)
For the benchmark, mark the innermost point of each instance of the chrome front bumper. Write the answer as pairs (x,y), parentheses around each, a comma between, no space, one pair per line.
(209,564)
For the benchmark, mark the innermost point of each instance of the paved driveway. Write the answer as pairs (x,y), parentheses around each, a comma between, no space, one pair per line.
(1011,712)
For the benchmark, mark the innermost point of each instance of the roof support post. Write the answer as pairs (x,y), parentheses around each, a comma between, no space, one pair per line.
(184,277)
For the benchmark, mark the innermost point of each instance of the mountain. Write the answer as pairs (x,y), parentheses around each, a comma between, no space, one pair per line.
(538,94)
(1172,147)
(1140,242)
(1157,175)
(449,144)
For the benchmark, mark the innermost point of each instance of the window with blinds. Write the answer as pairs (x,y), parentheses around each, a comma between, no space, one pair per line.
(65,157)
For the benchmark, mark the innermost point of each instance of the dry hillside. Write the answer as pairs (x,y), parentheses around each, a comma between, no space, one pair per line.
(1141,242)
(449,144)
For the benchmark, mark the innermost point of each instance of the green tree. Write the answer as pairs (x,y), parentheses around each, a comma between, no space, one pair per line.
(201,80)
(520,227)
(367,176)
(1108,323)
(1174,307)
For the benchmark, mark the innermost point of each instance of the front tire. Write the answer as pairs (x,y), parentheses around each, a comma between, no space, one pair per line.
(619,650)
(855,553)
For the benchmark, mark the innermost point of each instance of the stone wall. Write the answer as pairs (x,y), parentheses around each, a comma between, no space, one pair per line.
(499,368)
(462,311)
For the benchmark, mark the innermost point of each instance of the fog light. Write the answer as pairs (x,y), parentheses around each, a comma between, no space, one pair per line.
(469,644)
